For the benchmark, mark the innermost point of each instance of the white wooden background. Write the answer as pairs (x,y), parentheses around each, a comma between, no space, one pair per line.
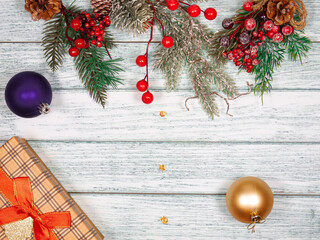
(109,158)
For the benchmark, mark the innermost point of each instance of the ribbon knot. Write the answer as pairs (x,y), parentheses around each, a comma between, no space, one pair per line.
(23,207)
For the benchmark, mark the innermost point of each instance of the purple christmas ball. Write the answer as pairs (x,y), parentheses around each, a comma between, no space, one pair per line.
(28,94)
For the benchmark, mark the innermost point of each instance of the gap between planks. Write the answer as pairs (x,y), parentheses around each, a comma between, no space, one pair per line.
(188,194)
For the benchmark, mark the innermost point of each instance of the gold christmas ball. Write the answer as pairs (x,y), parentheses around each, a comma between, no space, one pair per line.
(249,198)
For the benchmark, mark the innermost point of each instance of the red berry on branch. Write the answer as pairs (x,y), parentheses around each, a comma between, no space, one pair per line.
(100,26)
(147,97)
(247,6)
(87,25)
(141,61)
(108,22)
(255,62)
(99,44)
(254,33)
(270,34)
(268,25)
(97,15)
(167,42)
(107,18)
(102,32)
(238,63)
(142,85)
(92,23)
(172,5)
(224,54)
(194,10)
(99,38)
(73,52)
(287,30)
(79,43)
(94,42)
(278,37)
(275,29)
(75,24)
(250,24)
(210,14)
(88,15)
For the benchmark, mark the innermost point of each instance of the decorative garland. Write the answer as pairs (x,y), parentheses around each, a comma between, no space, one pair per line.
(255,39)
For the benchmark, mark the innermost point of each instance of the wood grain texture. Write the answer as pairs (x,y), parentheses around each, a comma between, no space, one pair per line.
(21,57)
(25,29)
(109,158)
(192,168)
(285,116)
(196,217)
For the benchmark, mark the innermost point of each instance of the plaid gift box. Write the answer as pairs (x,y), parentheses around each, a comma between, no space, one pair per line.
(17,159)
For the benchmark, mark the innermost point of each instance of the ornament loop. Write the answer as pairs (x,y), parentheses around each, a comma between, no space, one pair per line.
(256,219)
(44,108)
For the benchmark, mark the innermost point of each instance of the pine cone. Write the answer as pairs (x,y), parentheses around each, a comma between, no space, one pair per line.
(281,11)
(102,7)
(43,9)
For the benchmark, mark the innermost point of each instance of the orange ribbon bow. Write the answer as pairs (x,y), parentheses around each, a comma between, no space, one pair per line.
(19,193)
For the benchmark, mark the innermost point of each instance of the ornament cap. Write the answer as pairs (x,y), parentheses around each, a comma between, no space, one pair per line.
(44,108)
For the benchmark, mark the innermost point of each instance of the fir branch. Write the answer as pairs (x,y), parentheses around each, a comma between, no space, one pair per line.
(298,46)
(97,74)
(131,15)
(53,42)
(271,55)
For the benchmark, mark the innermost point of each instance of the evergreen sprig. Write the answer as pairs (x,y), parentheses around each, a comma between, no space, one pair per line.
(270,56)
(132,15)
(96,73)
(298,46)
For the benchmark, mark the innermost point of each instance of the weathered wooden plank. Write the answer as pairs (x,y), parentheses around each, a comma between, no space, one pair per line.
(285,116)
(22,57)
(196,217)
(133,167)
(22,28)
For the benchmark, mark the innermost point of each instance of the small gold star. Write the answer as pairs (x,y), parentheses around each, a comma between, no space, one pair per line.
(162,167)
(162,113)
(164,220)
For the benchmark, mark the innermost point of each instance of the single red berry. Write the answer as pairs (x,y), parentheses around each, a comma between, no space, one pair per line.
(167,42)
(102,32)
(238,63)
(210,14)
(278,37)
(250,67)
(75,24)
(275,28)
(81,29)
(86,43)
(172,5)
(93,42)
(268,25)
(147,97)
(247,51)
(108,22)
(194,10)
(97,15)
(97,33)
(270,34)
(249,60)
(263,38)
(241,54)
(247,6)
(224,54)
(106,18)
(250,24)
(235,60)
(255,62)
(99,44)
(100,38)
(73,51)
(100,26)
(79,43)
(249,70)
(141,61)
(87,25)
(88,15)
(92,33)
(230,56)
(255,33)
(142,85)
(287,30)
(92,23)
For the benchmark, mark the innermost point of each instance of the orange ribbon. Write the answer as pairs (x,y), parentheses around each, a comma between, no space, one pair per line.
(19,193)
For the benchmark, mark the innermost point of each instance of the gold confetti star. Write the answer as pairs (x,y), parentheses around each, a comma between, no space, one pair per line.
(164,220)
(162,167)
(162,113)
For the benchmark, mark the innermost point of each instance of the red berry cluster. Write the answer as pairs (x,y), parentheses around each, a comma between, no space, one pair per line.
(91,28)
(246,52)
(193,10)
